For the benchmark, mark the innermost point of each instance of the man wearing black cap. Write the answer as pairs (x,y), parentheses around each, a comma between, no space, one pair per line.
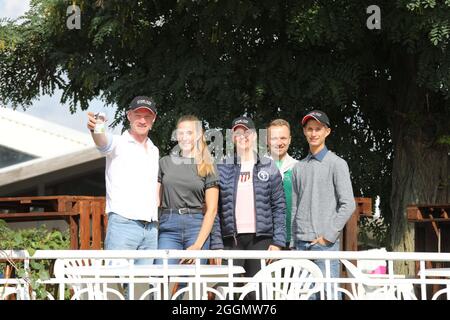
(131,180)
(322,194)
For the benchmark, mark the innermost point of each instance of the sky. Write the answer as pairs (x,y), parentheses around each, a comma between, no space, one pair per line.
(13,8)
(49,107)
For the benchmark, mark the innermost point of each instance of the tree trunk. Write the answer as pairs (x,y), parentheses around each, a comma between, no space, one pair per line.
(419,171)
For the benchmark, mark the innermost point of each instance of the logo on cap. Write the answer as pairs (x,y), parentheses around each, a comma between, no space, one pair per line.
(148,102)
(241,121)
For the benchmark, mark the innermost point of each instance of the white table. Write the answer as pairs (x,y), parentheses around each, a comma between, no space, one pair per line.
(385,276)
(192,274)
(436,272)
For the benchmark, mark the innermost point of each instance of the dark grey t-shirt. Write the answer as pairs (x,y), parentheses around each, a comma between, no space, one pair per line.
(181,184)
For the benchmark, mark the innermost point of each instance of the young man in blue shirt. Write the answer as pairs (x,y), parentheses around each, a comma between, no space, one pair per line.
(322,194)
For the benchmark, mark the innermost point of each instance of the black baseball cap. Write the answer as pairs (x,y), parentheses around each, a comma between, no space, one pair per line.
(143,102)
(243,122)
(317,115)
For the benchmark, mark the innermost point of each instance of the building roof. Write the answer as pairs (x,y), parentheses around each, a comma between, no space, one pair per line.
(53,147)
(38,137)
(37,167)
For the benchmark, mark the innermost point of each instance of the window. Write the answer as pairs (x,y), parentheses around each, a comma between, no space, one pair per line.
(9,157)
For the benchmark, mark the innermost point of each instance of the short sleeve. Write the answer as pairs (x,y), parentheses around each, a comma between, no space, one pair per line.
(160,173)
(212,180)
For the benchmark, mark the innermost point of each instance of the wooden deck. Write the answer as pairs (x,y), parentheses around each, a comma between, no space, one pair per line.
(85,215)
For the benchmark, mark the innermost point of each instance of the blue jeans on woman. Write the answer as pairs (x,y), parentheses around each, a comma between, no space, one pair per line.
(179,232)
(334,264)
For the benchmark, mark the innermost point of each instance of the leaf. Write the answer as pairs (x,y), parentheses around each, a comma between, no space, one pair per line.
(44,274)
(18,239)
(21,273)
(35,265)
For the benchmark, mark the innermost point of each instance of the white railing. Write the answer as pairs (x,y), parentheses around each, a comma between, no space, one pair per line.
(112,274)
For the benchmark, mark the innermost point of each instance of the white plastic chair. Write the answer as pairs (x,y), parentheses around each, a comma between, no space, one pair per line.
(66,269)
(367,288)
(286,279)
(19,291)
(6,292)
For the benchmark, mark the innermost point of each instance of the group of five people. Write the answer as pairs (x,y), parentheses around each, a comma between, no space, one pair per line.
(188,200)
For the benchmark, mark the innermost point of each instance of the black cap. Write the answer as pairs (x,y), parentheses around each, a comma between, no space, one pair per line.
(317,115)
(244,122)
(143,102)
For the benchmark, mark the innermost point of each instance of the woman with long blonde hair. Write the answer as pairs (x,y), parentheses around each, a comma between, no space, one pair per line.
(189,191)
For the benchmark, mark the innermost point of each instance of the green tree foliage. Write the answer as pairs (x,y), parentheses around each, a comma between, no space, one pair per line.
(372,233)
(385,90)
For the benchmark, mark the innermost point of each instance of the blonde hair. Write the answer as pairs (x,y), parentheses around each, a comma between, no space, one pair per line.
(279,123)
(202,155)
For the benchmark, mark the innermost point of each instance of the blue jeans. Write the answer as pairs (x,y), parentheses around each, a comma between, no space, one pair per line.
(334,264)
(179,232)
(127,234)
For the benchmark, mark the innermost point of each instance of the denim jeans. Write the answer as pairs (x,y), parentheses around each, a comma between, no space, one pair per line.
(334,264)
(179,232)
(127,234)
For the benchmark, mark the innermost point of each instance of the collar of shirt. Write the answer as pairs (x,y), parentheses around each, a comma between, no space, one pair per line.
(318,156)
(284,165)
(130,138)
(258,159)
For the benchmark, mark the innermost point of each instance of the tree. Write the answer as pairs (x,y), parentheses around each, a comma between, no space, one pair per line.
(385,90)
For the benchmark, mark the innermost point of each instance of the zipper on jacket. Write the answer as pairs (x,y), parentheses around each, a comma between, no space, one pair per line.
(262,165)
(255,175)
(236,181)
(256,168)
(235,240)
